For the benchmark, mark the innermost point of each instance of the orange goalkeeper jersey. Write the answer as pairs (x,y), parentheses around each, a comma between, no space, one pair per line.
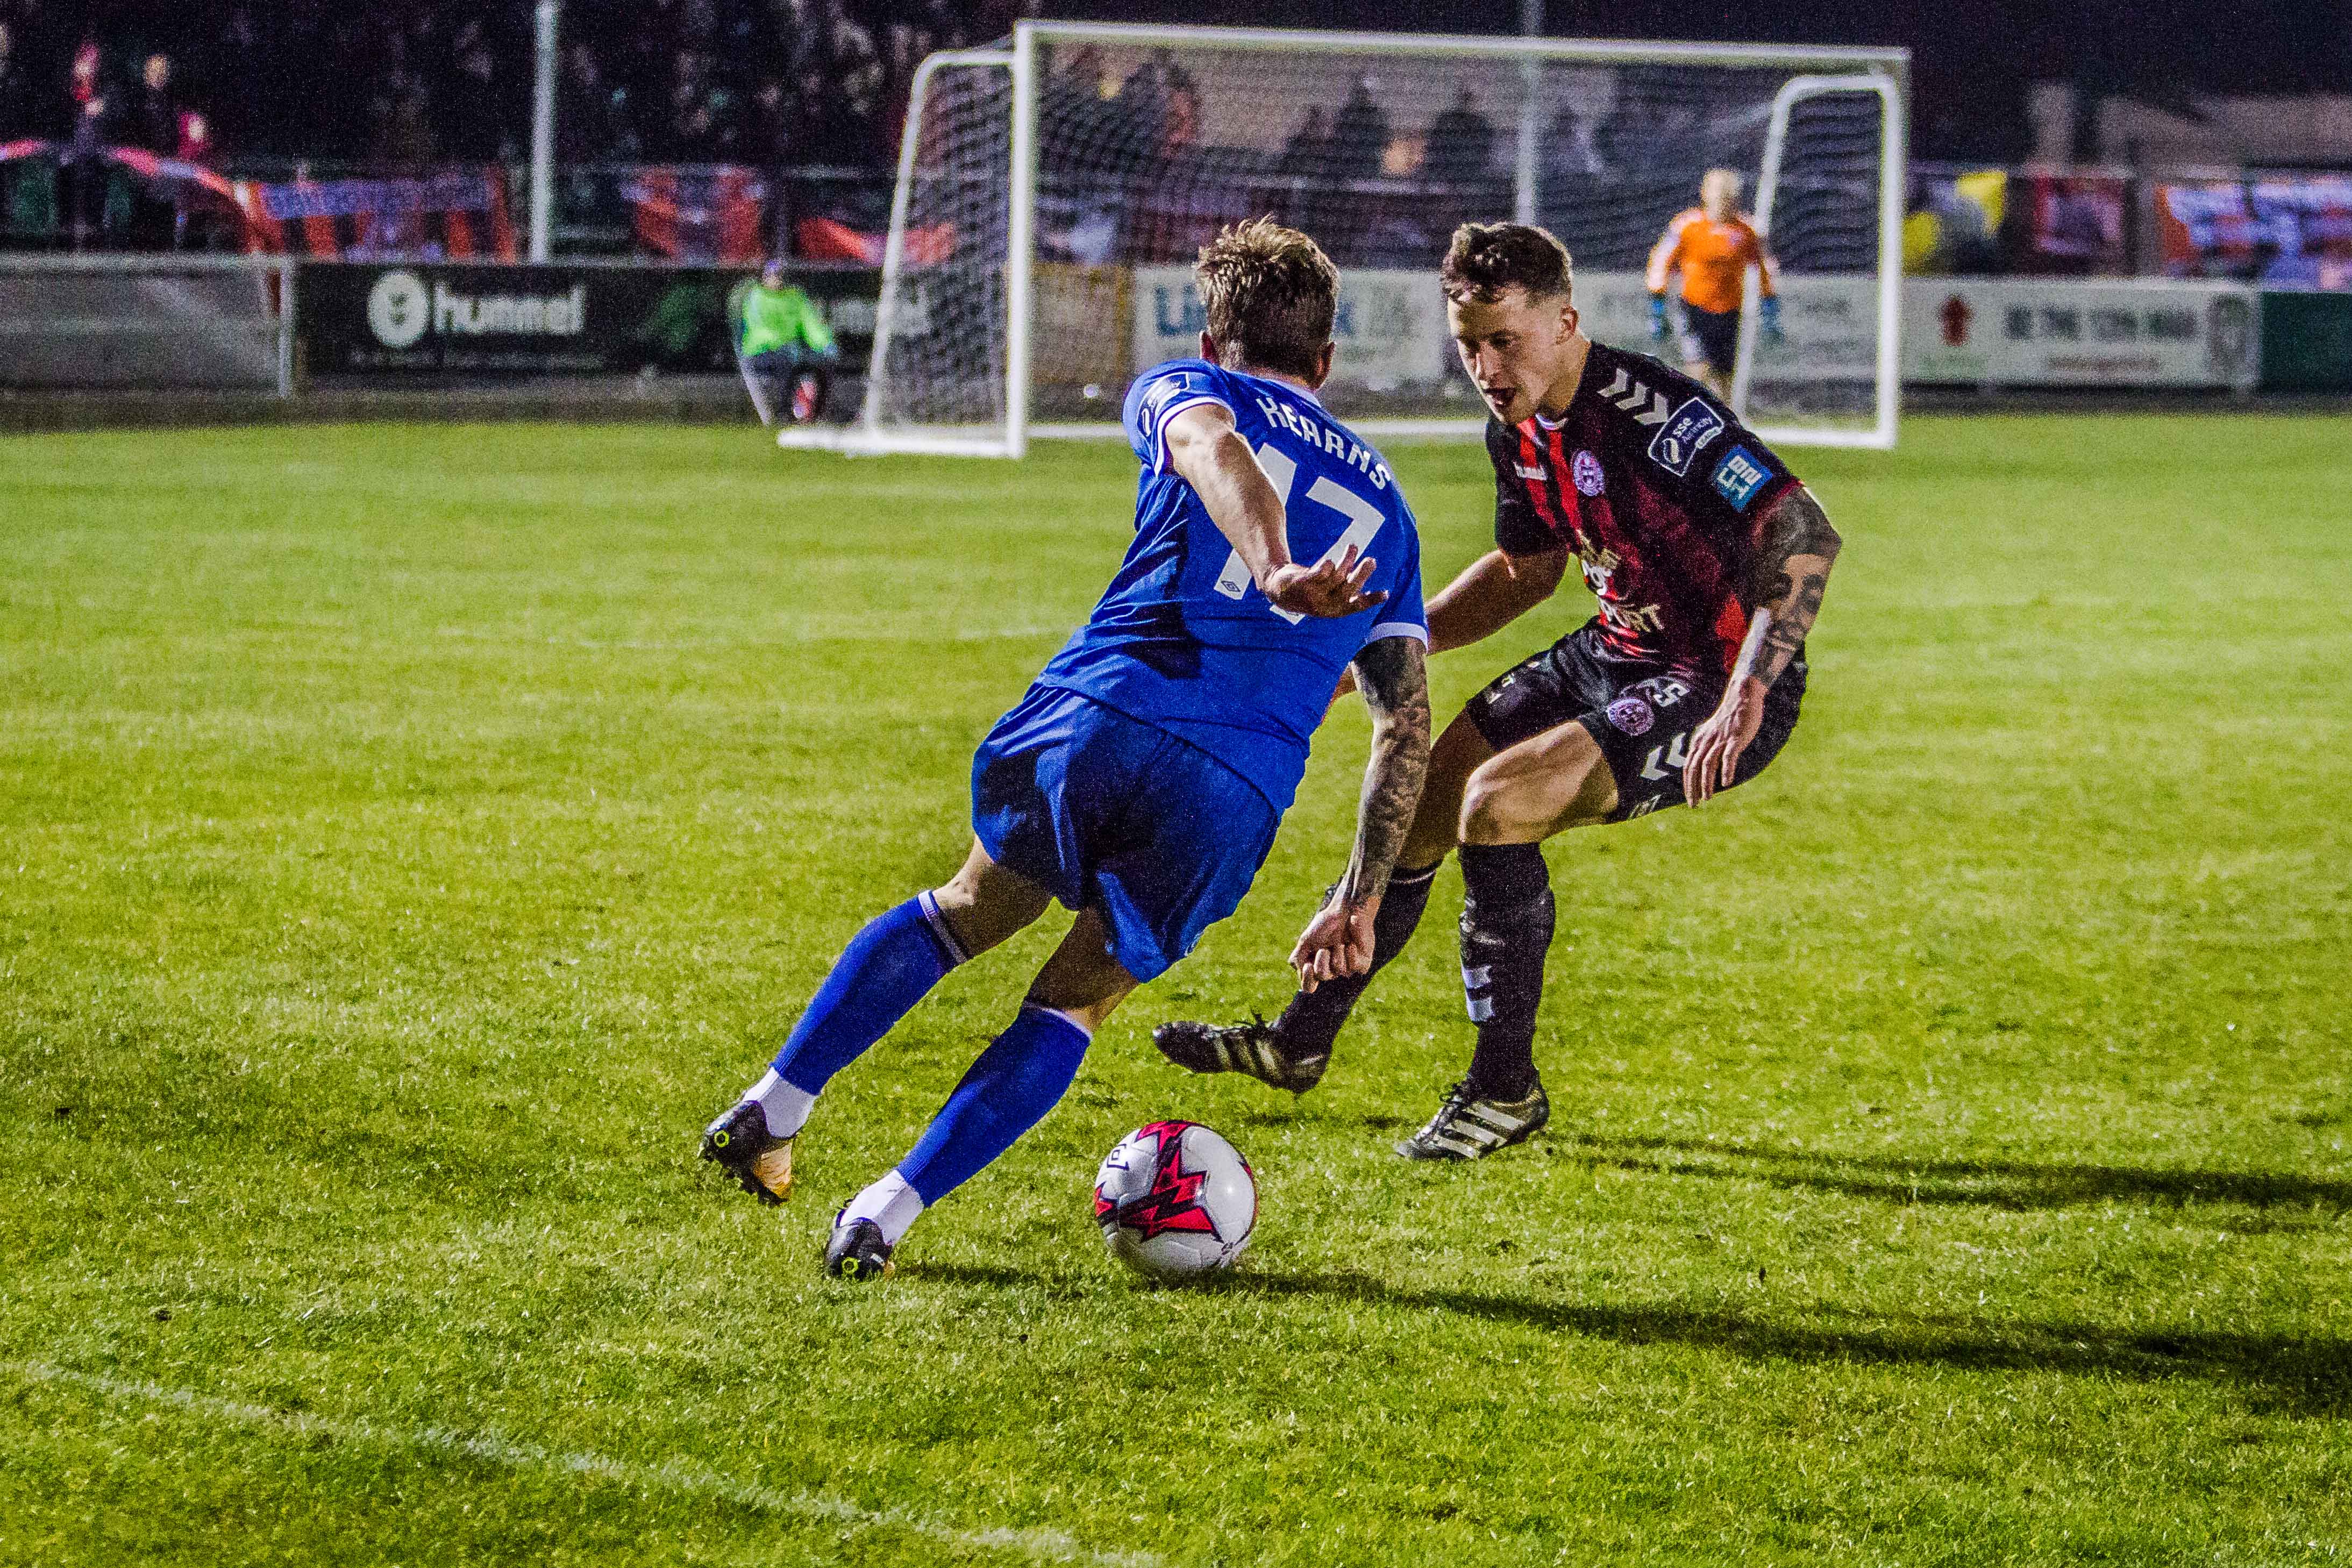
(1712,258)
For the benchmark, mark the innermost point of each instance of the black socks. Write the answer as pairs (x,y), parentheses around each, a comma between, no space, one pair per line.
(1506,926)
(1312,1020)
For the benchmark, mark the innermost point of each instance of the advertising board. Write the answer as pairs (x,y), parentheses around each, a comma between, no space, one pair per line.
(423,321)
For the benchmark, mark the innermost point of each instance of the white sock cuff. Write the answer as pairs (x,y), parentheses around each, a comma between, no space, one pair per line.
(928,904)
(1069,1018)
(785,1107)
(892,1204)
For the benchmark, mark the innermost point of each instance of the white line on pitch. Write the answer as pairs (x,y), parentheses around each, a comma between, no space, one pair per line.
(1043,1545)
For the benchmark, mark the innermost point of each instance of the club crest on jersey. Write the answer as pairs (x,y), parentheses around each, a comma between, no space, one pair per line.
(1693,424)
(1631,715)
(1586,471)
(1739,476)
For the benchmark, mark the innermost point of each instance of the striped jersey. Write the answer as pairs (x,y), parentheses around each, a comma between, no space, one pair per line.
(1658,491)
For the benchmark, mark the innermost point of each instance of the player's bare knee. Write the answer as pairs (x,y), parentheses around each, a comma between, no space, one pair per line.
(1082,979)
(1496,808)
(983,903)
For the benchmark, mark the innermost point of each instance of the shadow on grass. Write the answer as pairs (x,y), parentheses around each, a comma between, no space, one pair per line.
(2301,1376)
(1989,1184)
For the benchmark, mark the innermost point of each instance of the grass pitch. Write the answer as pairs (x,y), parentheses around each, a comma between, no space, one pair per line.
(409,836)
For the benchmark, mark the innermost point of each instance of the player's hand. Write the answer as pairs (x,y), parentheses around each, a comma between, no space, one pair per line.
(1716,744)
(1330,590)
(1336,942)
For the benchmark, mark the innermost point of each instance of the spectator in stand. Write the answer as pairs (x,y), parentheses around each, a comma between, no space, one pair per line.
(152,124)
(1142,106)
(800,39)
(848,44)
(1181,125)
(1461,147)
(153,121)
(1360,134)
(97,119)
(195,143)
(1303,155)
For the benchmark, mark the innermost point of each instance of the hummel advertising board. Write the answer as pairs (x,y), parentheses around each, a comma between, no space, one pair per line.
(423,319)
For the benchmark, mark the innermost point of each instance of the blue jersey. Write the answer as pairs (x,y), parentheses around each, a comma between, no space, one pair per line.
(1183,640)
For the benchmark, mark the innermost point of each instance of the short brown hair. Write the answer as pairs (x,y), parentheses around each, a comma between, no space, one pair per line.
(1270,295)
(1487,258)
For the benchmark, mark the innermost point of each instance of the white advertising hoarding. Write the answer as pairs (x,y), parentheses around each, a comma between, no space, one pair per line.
(1391,328)
(2023,332)
(2005,332)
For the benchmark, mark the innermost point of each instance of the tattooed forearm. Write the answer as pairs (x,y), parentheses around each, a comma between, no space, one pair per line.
(1791,568)
(1396,688)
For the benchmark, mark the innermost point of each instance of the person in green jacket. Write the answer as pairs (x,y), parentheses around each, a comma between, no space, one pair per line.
(782,341)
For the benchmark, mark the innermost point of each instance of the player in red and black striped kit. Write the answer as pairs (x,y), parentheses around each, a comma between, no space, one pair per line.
(1709,559)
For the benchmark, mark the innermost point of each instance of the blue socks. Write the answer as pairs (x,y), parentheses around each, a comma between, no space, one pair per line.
(1021,1076)
(887,969)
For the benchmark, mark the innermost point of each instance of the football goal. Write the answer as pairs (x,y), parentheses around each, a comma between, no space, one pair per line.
(1052,192)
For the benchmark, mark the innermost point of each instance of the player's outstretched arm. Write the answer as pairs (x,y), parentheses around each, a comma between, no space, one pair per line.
(1338,940)
(1491,593)
(1791,568)
(1210,455)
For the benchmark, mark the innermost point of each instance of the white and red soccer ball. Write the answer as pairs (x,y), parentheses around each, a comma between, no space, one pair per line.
(1175,1199)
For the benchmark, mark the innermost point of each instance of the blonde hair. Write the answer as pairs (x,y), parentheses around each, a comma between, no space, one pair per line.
(1270,295)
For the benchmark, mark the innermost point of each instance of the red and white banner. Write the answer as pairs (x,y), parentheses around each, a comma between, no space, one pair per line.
(459,215)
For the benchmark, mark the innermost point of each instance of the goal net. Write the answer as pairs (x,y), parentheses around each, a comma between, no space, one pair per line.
(1052,194)
(144,323)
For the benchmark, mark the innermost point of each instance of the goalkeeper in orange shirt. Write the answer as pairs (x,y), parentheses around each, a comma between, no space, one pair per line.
(1713,244)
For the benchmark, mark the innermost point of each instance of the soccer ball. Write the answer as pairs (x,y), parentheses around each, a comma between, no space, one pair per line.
(1175,1199)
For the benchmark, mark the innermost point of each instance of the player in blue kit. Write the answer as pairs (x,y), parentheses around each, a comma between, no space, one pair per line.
(1140,781)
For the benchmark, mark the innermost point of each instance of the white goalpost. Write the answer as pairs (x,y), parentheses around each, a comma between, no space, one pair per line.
(1051,193)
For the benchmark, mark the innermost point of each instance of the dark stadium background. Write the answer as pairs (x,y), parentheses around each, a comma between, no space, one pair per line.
(1972,59)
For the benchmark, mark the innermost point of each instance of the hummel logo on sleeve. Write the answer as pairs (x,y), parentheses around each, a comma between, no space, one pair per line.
(1630,395)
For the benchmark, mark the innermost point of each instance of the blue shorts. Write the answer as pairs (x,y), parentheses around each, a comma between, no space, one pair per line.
(1108,812)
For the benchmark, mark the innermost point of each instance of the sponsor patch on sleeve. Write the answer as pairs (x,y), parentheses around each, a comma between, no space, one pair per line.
(1739,476)
(1678,441)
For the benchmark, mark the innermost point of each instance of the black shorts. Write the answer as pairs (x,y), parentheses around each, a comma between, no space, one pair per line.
(1641,714)
(1711,338)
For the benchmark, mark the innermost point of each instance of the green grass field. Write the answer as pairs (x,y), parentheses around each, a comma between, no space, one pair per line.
(410,836)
